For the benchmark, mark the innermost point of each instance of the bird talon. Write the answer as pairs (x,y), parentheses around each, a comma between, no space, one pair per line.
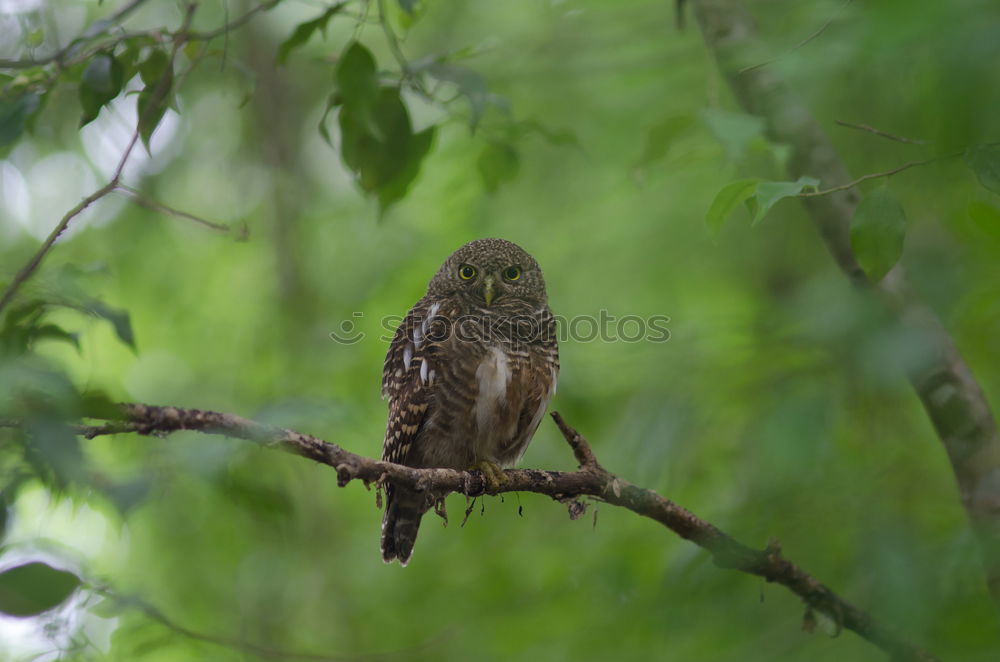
(493,475)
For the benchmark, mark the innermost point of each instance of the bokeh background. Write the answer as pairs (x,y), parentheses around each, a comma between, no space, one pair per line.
(778,407)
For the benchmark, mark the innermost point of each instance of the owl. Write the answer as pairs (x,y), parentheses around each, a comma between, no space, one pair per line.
(468,376)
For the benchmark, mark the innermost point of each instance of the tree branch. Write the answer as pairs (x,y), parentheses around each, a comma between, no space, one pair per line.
(865,178)
(881,133)
(797,46)
(943,383)
(180,38)
(592,480)
(154,205)
(237,22)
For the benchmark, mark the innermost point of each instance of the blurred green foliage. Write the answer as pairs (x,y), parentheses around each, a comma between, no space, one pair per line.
(594,134)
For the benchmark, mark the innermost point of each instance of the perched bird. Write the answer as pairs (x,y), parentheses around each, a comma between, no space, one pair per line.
(469,374)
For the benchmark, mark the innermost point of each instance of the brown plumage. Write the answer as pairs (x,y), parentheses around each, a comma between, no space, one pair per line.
(469,374)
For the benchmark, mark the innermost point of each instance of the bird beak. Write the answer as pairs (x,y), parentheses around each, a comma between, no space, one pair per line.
(488,290)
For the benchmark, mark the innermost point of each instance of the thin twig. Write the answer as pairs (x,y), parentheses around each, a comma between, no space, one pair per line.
(581,449)
(592,480)
(879,132)
(799,45)
(235,23)
(390,37)
(36,259)
(865,178)
(154,205)
(397,53)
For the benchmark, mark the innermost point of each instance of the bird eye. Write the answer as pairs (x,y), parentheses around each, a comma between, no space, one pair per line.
(512,273)
(466,272)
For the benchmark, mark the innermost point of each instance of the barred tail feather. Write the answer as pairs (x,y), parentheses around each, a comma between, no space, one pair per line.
(403,513)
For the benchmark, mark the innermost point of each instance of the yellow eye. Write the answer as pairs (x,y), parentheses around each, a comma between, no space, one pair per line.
(466,272)
(512,273)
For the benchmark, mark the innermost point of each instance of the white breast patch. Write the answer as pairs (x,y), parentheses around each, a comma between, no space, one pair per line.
(493,376)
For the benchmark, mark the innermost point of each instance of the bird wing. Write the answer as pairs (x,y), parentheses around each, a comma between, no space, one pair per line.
(406,380)
(538,380)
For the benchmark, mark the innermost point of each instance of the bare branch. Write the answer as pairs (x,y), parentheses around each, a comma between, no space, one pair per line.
(29,268)
(156,206)
(944,383)
(581,449)
(592,480)
(797,46)
(865,178)
(884,134)
(238,22)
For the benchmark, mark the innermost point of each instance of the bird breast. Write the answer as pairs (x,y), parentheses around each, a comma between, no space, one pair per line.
(493,378)
(494,425)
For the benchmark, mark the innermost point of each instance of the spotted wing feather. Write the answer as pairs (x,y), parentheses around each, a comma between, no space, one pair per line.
(406,385)
(406,392)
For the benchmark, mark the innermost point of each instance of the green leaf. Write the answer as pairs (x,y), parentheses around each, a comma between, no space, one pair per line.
(497,164)
(53,450)
(33,588)
(304,31)
(373,139)
(101,82)
(985,162)
(152,105)
(154,67)
(391,127)
(18,326)
(154,99)
(660,137)
(119,319)
(53,332)
(128,58)
(877,232)
(20,312)
(770,193)
(418,148)
(377,141)
(409,6)
(735,131)
(726,200)
(15,111)
(356,77)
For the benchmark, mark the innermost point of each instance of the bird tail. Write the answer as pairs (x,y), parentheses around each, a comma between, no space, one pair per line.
(400,524)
